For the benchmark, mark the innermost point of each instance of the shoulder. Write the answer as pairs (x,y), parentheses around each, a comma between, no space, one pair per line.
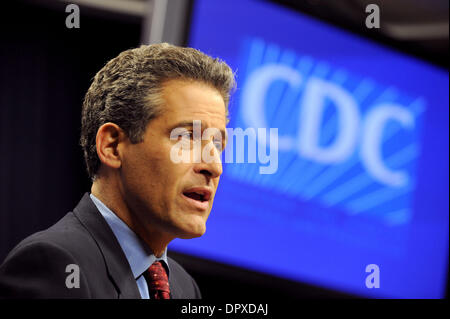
(39,265)
(67,235)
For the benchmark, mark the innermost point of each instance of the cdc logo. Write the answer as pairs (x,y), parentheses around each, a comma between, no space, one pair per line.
(344,140)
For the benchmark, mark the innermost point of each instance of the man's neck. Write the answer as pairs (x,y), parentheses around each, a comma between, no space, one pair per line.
(105,191)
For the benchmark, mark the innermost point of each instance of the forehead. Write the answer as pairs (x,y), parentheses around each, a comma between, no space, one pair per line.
(186,100)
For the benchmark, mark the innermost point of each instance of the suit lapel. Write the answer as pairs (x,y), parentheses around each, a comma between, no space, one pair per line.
(175,290)
(116,263)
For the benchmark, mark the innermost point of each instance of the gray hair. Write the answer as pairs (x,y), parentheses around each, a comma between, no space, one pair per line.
(127,90)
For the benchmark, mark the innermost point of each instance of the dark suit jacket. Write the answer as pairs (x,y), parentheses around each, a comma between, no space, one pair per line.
(36,267)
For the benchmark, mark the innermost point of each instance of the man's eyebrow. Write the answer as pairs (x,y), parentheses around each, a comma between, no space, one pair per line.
(183,124)
(189,124)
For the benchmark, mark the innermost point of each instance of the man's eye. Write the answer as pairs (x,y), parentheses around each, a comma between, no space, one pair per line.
(219,146)
(186,134)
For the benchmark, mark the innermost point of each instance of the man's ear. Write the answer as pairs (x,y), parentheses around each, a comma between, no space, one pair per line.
(109,135)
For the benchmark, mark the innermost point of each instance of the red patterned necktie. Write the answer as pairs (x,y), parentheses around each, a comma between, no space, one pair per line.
(158,282)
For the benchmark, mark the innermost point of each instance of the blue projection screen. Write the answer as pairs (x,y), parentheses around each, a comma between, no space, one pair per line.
(354,181)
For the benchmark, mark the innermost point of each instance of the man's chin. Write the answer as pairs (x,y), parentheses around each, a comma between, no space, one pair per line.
(192,233)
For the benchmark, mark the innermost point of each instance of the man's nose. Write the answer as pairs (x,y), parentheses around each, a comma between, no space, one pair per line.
(210,170)
(210,164)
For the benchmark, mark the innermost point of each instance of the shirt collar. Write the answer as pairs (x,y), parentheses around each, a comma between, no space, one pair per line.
(138,254)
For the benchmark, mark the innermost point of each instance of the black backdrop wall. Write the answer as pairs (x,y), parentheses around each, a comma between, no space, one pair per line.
(45,70)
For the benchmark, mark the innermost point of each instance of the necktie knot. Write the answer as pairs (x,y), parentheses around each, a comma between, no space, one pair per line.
(158,282)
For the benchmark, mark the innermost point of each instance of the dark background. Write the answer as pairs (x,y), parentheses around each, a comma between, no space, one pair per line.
(45,70)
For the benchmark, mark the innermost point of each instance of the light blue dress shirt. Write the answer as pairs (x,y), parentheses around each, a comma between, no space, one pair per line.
(139,256)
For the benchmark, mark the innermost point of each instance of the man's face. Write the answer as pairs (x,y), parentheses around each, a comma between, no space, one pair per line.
(164,196)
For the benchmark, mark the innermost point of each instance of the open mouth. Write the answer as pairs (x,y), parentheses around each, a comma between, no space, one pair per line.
(198,197)
(195,196)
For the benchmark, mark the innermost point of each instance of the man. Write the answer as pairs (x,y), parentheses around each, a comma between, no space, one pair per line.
(114,243)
